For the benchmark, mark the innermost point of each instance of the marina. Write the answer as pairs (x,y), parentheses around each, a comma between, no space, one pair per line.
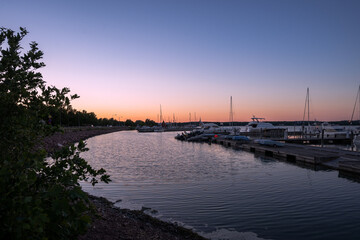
(226,193)
(338,159)
(263,138)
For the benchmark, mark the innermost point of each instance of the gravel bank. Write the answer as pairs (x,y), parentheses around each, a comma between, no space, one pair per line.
(116,223)
(112,223)
(73,135)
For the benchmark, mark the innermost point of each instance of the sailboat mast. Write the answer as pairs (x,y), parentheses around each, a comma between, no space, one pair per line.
(308,98)
(161,118)
(231,116)
(357,99)
(306,101)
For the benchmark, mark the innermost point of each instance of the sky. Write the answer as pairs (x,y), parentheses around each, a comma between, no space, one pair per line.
(125,58)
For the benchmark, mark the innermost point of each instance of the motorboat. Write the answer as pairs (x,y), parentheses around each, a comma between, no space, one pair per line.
(356,141)
(159,129)
(333,131)
(257,126)
(210,128)
(145,129)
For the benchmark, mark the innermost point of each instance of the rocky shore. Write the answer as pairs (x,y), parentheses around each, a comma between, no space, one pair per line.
(73,135)
(115,223)
(111,222)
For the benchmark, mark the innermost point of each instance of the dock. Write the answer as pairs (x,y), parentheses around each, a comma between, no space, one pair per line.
(315,140)
(337,159)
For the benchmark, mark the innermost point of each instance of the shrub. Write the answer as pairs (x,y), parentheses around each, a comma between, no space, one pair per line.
(40,196)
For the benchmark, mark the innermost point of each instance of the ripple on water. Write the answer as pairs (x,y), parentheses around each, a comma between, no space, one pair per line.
(223,193)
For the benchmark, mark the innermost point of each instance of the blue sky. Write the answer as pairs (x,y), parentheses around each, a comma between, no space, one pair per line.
(128,57)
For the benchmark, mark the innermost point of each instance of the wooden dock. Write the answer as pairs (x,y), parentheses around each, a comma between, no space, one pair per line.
(315,140)
(342,160)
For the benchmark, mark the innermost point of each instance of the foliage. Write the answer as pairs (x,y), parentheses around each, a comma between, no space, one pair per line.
(129,123)
(139,123)
(150,123)
(72,117)
(40,197)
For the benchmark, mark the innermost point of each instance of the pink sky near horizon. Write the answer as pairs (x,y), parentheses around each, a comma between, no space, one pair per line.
(137,95)
(131,101)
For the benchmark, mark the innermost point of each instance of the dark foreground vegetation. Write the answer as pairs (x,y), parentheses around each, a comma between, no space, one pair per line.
(40,167)
(40,198)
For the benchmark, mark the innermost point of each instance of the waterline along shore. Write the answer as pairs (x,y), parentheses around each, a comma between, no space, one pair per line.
(72,135)
(111,222)
(115,223)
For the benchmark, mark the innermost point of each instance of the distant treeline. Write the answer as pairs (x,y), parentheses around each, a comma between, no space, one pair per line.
(72,117)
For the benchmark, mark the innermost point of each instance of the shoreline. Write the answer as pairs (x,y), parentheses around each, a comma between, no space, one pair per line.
(73,135)
(117,223)
(111,222)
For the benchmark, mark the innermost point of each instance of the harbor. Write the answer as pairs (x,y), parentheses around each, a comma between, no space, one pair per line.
(212,188)
(333,158)
(308,146)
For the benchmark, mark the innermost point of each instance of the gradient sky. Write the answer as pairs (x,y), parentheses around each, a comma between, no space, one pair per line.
(128,57)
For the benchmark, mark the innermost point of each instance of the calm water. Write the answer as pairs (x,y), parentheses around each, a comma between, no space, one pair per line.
(223,193)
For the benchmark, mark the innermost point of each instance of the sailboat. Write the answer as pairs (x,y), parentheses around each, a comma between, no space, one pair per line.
(356,100)
(160,127)
(356,140)
(307,129)
(329,131)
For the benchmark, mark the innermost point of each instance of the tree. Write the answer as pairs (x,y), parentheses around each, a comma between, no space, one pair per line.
(150,123)
(139,123)
(40,198)
(129,123)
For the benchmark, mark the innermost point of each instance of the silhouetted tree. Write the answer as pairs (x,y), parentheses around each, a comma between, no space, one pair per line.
(129,123)
(40,199)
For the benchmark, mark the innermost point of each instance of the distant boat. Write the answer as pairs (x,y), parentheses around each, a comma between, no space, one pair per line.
(211,128)
(145,129)
(333,131)
(257,126)
(159,129)
(356,141)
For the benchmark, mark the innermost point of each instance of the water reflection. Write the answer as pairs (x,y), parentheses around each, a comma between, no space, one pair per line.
(219,190)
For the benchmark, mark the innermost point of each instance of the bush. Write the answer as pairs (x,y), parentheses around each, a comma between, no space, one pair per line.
(40,197)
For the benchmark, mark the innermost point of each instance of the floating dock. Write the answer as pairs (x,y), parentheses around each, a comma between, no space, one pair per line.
(342,160)
(316,140)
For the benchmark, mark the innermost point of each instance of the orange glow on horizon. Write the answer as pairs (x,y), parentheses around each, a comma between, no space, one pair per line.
(217,116)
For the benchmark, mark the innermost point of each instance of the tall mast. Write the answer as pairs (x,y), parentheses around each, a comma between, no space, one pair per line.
(307,104)
(357,99)
(161,117)
(231,116)
(308,96)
